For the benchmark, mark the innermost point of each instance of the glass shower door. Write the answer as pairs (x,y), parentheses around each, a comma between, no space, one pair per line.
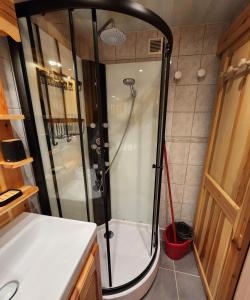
(132,99)
(60,117)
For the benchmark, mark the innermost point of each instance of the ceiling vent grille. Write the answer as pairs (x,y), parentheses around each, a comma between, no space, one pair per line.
(155,46)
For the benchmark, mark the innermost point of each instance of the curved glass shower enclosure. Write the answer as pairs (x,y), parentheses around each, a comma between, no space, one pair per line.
(97,73)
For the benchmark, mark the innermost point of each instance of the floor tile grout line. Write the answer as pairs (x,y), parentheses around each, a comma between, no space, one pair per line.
(187,274)
(174,270)
(166,269)
(176,283)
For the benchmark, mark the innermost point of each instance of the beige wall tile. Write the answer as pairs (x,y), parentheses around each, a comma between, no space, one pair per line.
(169,124)
(189,65)
(190,194)
(7,79)
(213,33)
(106,52)
(191,40)
(177,192)
(211,64)
(182,124)
(142,40)
(177,213)
(176,45)
(188,213)
(148,59)
(173,69)
(178,173)
(127,49)
(162,219)
(171,96)
(201,124)
(185,96)
(179,153)
(197,153)
(193,176)
(205,98)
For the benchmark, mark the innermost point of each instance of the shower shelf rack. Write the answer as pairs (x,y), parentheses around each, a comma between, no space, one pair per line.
(8,117)
(16,164)
(61,128)
(28,191)
(58,80)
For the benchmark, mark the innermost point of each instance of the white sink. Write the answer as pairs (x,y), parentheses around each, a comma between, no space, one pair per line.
(44,254)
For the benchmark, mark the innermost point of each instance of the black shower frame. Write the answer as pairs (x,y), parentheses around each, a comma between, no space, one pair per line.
(134,9)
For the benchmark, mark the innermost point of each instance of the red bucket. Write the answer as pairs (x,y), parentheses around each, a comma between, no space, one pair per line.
(175,250)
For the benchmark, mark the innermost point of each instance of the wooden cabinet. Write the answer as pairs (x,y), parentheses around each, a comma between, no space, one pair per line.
(8,20)
(222,225)
(88,286)
(10,173)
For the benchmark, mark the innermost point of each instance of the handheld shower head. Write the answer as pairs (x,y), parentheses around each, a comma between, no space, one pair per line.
(130,82)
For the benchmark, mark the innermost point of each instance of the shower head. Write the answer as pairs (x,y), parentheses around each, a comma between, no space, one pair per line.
(130,82)
(111,36)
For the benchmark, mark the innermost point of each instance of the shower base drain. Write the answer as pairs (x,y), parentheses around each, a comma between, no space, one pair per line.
(110,234)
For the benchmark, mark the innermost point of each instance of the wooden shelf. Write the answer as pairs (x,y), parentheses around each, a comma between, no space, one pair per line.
(5,117)
(17,164)
(27,190)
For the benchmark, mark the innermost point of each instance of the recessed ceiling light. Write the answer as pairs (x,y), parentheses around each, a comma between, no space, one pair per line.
(113,97)
(140,70)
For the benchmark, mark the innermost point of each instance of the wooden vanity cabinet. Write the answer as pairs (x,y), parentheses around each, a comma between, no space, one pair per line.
(88,285)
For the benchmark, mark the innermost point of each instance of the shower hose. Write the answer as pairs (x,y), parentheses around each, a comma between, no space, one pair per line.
(123,137)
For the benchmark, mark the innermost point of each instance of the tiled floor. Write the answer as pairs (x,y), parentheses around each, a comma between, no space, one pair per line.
(178,280)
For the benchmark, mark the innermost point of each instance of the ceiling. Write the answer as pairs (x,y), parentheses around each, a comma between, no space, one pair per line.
(174,12)
(188,12)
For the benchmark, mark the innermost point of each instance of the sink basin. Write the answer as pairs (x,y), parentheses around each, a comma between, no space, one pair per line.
(44,255)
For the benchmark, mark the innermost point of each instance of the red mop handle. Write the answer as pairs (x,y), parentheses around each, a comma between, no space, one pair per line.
(169,192)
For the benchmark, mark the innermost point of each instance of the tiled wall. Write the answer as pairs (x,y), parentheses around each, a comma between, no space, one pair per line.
(189,113)
(135,48)
(10,91)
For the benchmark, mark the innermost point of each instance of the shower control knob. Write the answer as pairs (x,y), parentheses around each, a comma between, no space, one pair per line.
(177,75)
(98,141)
(92,125)
(105,125)
(201,73)
(93,146)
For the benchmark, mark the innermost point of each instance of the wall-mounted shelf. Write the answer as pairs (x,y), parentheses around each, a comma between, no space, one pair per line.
(6,117)
(17,164)
(27,190)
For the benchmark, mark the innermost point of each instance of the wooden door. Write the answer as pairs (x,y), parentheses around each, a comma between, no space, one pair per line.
(222,228)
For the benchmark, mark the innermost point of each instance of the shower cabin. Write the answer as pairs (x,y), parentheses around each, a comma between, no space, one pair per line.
(96,79)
